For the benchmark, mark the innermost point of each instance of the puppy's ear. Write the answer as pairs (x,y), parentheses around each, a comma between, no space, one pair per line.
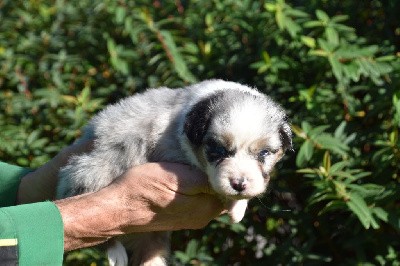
(286,135)
(198,119)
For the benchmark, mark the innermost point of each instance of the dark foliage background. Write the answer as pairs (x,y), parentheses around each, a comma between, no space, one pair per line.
(334,65)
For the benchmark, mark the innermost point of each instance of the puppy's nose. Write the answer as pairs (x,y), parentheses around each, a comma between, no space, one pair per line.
(238,184)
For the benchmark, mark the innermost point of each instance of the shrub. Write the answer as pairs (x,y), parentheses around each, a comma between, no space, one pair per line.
(335,199)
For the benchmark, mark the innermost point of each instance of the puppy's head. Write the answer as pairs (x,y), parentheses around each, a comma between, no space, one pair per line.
(237,137)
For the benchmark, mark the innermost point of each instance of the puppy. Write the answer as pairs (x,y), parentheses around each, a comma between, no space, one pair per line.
(231,132)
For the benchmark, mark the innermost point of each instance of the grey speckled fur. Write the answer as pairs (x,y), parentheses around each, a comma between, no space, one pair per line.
(150,127)
(128,133)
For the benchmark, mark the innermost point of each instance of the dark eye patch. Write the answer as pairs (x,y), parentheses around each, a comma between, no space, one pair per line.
(216,152)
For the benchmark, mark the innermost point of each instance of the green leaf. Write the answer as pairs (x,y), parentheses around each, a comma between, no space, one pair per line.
(32,137)
(177,59)
(119,64)
(345,176)
(381,213)
(308,149)
(332,36)
(84,95)
(338,166)
(367,190)
(270,7)
(316,131)
(309,41)
(280,18)
(359,207)
(305,153)
(327,161)
(306,127)
(321,15)
(351,70)
(182,256)
(336,67)
(238,227)
(340,18)
(320,197)
(306,171)
(292,27)
(120,14)
(367,67)
(344,28)
(296,13)
(331,143)
(313,24)
(326,46)
(333,206)
(191,248)
(339,131)
(39,144)
(319,52)
(361,175)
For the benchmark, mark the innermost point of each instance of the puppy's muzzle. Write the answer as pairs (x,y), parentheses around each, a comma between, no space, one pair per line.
(238,184)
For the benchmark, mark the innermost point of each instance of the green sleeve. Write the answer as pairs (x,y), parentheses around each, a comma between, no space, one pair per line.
(31,234)
(10,177)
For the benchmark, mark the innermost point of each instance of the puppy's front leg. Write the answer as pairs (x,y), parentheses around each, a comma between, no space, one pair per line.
(236,210)
(116,254)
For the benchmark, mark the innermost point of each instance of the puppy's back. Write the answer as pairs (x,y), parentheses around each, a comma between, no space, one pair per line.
(136,130)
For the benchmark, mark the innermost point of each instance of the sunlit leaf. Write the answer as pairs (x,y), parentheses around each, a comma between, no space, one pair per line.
(321,15)
(177,59)
(305,153)
(360,209)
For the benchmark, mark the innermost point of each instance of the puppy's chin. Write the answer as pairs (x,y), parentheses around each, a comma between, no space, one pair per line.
(232,194)
(229,193)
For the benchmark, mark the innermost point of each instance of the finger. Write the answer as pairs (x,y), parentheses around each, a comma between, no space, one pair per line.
(210,208)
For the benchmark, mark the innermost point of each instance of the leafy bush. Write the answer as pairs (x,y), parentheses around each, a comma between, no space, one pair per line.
(334,65)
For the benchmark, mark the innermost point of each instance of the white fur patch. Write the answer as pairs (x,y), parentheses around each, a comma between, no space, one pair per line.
(208,87)
(117,254)
(246,123)
(237,209)
(156,261)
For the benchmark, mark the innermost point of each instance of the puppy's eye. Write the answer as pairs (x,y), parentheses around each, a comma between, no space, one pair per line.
(264,153)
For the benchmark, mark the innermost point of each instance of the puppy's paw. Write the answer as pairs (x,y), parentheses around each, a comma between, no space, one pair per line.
(236,210)
(117,254)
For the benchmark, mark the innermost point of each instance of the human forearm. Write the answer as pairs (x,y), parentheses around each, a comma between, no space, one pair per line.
(88,220)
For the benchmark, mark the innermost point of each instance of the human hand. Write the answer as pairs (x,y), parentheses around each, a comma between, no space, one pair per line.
(175,196)
(149,197)
(40,184)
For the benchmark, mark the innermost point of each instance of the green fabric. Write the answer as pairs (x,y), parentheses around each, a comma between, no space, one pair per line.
(38,228)
(10,177)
